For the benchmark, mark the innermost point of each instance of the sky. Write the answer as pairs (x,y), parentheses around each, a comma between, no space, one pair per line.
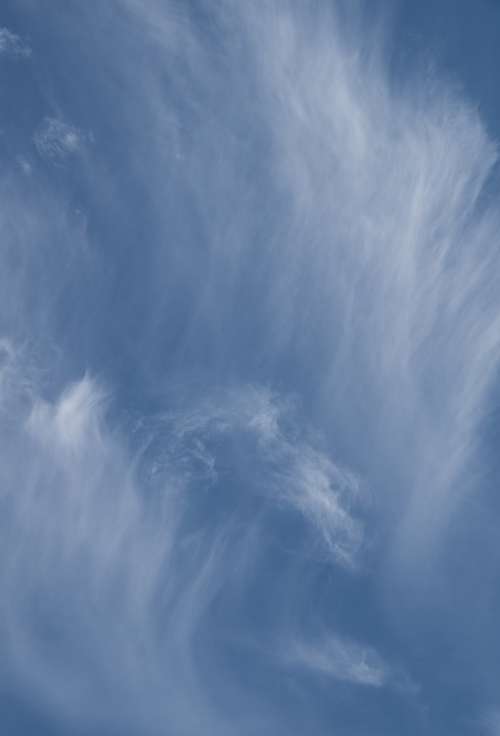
(249,368)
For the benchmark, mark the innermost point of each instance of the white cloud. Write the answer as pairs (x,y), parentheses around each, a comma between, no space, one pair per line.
(370,254)
(82,552)
(329,655)
(56,140)
(346,212)
(324,493)
(341,659)
(25,165)
(384,265)
(12,45)
(292,472)
(98,543)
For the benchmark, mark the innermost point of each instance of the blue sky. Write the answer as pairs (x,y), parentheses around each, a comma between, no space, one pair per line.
(249,368)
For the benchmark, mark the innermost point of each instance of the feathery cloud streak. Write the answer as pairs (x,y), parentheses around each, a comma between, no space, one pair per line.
(267,210)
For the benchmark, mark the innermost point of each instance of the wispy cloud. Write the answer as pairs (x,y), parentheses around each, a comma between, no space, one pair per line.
(489,724)
(366,254)
(327,654)
(13,45)
(91,552)
(56,140)
(274,214)
(290,470)
(115,561)
(342,660)
(387,222)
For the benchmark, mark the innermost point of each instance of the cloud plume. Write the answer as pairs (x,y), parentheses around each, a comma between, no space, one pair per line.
(12,45)
(249,343)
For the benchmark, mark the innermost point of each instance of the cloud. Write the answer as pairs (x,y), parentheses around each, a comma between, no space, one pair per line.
(55,140)
(12,45)
(25,165)
(359,254)
(403,269)
(293,472)
(341,659)
(377,274)
(95,564)
(275,213)
(118,569)
(488,724)
(327,654)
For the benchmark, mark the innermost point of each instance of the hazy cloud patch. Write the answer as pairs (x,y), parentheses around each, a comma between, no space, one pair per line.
(12,45)
(56,140)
